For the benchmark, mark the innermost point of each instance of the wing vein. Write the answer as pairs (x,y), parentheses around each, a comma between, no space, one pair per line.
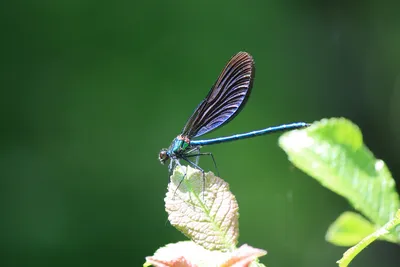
(225,99)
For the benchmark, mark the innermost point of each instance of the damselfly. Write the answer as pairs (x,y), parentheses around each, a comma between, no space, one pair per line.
(226,98)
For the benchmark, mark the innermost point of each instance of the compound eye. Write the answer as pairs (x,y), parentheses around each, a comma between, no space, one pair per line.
(163,156)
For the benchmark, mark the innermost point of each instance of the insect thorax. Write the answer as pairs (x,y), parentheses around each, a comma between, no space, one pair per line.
(179,145)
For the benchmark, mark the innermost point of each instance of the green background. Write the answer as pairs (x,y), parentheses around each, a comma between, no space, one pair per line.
(91,91)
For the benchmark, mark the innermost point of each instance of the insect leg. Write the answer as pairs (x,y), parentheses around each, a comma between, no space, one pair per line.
(206,154)
(196,167)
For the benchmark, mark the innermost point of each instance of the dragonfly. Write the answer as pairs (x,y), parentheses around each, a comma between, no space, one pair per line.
(224,101)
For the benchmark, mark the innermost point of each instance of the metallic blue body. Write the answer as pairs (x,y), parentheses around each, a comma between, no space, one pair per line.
(178,146)
(268,130)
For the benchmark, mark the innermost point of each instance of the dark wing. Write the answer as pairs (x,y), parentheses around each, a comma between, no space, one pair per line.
(225,99)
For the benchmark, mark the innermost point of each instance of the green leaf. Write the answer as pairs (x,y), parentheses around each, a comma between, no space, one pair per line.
(332,152)
(349,255)
(204,210)
(349,229)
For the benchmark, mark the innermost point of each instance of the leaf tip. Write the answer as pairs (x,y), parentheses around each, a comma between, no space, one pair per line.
(202,207)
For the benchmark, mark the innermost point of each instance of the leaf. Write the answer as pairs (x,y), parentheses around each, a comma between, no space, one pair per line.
(244,256)
(349,255)
(332,152)
(204,210)
(188,253)
(349,229)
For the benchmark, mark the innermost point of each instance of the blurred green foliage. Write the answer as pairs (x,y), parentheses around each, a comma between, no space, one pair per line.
(90,92)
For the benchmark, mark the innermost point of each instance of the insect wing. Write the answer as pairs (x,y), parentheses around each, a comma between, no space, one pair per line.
(225,99)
